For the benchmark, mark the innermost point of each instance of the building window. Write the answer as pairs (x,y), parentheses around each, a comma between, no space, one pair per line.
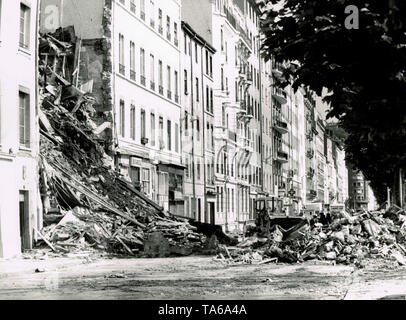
(146,176)
(197,90)
(222,40)
(176,87)
(196,53)
(152,10)
(169,82)
(121,54)
(185,43)
(143,131)
(132,61)
(160,79)
(186,119)
(185,82)
(222,79)
(24,119)
(207,99)
(161,133)
(132,122)
(152,129)
(176,138)
(168,28)
(25,15)
(122,118)
(198,129)
(169,135)
(142,66)
(198,168)
(211,100)
(152,72)
(175,31)
(142,9)
(132,6)
(207,62)
(160,27)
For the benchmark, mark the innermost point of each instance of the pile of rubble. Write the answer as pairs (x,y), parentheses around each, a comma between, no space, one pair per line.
(347,239)
(86,204)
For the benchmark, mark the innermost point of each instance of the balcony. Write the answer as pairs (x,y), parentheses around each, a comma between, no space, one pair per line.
(152,85)
(169,95)
(279,95)
(310,154)
(282,157)
(281,126)
(161,90)
(277,70)
(142,80)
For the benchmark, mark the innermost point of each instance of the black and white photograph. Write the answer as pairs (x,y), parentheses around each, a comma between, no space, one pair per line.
(202,150)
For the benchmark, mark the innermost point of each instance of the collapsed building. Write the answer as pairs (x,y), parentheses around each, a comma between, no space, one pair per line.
(87,202)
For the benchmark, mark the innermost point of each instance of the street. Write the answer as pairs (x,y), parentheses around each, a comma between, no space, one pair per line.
(187,278)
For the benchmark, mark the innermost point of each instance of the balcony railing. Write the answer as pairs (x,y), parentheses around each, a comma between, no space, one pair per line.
(161,90)
(121,69)
(168,36)
(282,157)
(133,75)
(152,85)
(281,126)
(132,7)
(142,78)
(279,95)
(176,41)
(169,94)
(142,14)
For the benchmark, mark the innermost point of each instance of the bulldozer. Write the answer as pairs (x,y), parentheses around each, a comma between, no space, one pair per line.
(271,213)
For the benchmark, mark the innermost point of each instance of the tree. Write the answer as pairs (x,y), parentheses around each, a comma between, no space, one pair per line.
(363,69)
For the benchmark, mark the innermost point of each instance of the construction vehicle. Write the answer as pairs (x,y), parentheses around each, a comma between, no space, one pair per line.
(271,212)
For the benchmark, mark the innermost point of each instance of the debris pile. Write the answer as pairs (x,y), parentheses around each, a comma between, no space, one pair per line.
(348,239)
(86,203)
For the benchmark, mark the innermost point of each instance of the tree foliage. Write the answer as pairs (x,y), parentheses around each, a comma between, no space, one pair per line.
(363,69)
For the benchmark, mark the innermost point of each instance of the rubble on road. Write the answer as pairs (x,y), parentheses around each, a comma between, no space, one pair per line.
(348,239)
(87,205)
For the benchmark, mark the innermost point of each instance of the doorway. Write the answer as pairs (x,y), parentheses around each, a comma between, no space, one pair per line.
(212,213)
(24,221)
(199,209)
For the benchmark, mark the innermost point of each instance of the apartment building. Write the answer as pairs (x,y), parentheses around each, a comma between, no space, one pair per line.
(20,202)
(133,57)
(267,152)
(197,125)
(231,27)
(360,192)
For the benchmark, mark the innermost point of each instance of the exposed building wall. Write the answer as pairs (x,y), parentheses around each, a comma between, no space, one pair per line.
(85,16)
(18,159)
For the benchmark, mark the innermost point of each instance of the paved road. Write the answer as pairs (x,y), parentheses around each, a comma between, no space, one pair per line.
(192,278)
